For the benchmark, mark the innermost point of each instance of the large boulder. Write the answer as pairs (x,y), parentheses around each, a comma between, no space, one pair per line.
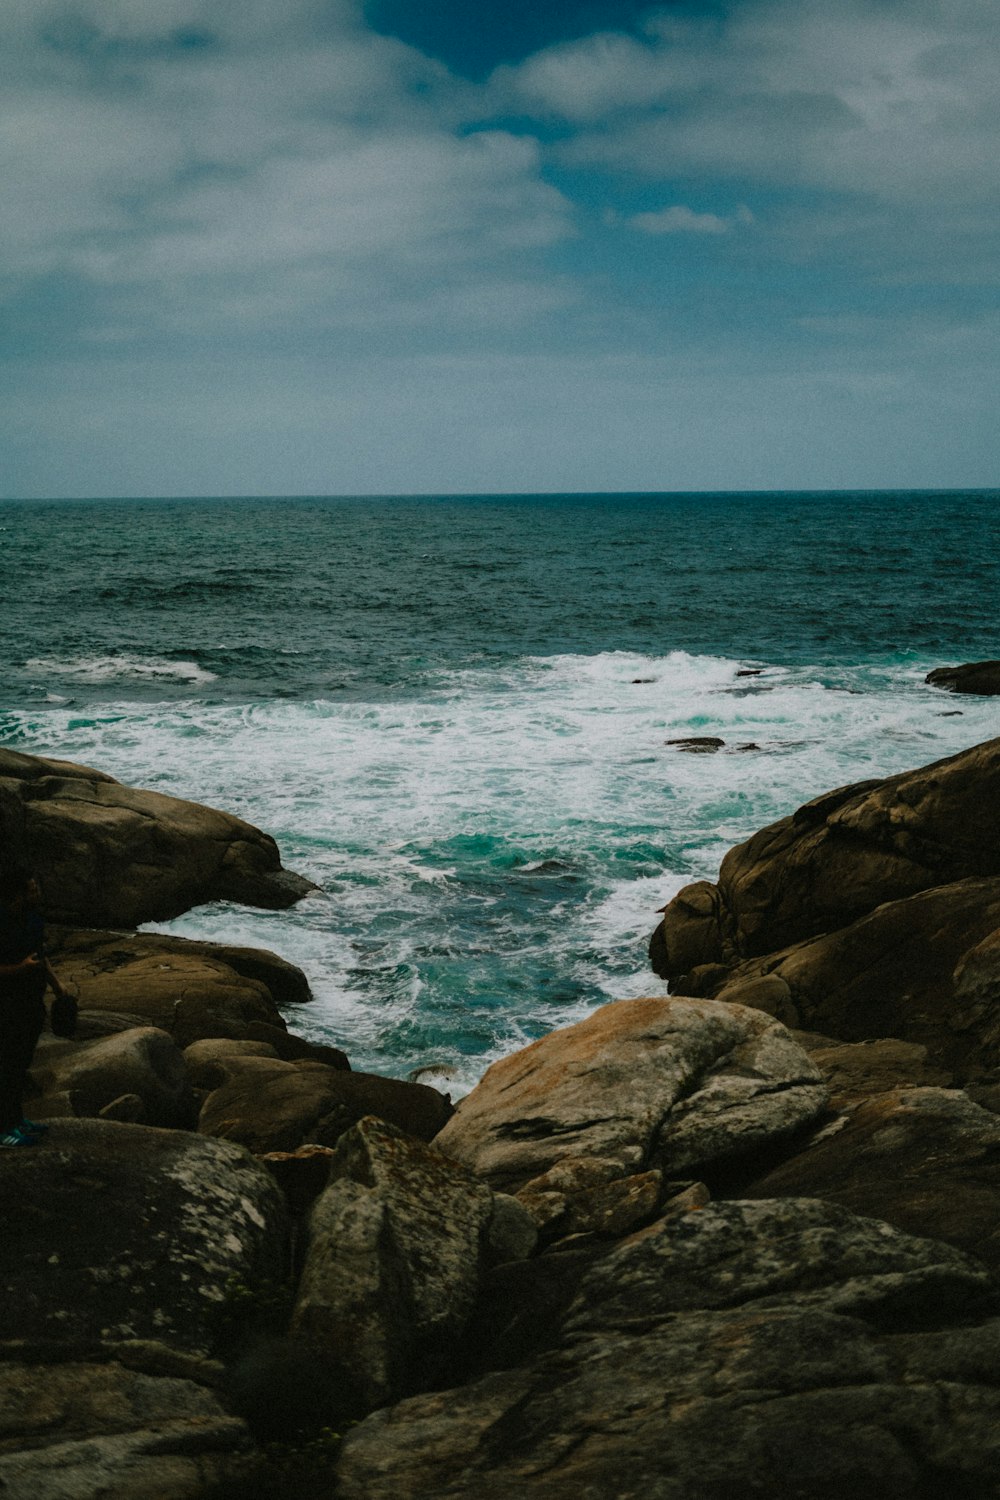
(117,1232)
(270,1105)
(108,855)
(107,1426)
(392,1262)
(982,677)
(836,859)
(143,1062)
(779,1348)
(676,1085)
(192,990)
(925,970)
(924,1159)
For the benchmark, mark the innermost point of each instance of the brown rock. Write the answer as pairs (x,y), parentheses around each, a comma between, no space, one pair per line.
(670,1084)
(301,1174)
(143,1062)
(269,1105)
(926,1160)
(178,986)
(839,857)
(109,855)
(924,970)
(856,1070)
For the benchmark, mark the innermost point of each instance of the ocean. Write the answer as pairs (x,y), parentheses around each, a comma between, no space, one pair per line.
(453,713)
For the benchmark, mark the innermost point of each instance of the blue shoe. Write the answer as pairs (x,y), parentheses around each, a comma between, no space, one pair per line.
(11,1139)
(32,1127)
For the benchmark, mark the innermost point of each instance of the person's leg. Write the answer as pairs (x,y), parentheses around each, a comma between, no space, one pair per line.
(20,1028)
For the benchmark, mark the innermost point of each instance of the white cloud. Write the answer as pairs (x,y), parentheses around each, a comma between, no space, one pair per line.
(679,219)
(889,99)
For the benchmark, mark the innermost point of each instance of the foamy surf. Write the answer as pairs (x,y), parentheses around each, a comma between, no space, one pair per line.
(96,670)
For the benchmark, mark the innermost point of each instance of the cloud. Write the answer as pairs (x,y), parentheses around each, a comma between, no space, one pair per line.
(679,219)
(889,99)
(285,161)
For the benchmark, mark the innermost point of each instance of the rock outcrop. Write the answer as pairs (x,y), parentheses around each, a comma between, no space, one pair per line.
(871,912)
(109,855)
(784,1348)
(676,1085)
(270,1105)
(392,1262)
(982,677)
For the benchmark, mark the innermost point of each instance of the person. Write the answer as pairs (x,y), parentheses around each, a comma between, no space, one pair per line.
(25,975)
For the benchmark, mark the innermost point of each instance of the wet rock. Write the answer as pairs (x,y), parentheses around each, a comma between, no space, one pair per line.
(271,1105)
(925,1159)
(392,1261)
(109,855)
(143,1062)
(668,1084)
(981,677)
(773,1348)
(697,744)
(123,1232)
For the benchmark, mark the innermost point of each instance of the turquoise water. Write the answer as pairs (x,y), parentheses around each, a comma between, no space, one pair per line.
(452,713)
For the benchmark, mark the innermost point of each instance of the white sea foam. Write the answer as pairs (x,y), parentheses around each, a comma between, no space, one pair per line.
(101,669)
(436,823)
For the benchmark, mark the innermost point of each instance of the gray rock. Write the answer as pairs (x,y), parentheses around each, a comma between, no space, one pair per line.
(142,1062)
(924,1159)
(392,1258)
(84,1428)
(737,1349)
(123,1231)
(669,1084)
(511,1233)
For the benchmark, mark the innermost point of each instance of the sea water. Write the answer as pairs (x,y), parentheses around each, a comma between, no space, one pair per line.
(454,713)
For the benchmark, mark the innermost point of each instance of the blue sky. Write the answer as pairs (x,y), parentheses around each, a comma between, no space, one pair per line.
(322,247)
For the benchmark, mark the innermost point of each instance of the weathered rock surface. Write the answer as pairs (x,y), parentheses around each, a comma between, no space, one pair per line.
(666,1084)
(123,1231)
(271,1105)
(972,677)
(925,1159)
(143,1062)
(925,970)
(856,1070)
(109,855)
(780,1348)
(98,1427)
(392,1261)
(184,988)
(836,859)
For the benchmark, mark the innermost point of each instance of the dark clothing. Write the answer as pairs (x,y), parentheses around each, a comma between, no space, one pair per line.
(20,1027)
(22,1009)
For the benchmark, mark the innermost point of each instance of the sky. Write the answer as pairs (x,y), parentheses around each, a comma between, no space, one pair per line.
(328,247)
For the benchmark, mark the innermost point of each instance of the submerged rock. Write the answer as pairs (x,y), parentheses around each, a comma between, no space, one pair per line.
(669,1084)
(109,855)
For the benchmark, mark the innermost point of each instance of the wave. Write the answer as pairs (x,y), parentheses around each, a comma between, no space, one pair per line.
(102,669)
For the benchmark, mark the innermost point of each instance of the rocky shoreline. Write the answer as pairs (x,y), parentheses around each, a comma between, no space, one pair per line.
(737,1239)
